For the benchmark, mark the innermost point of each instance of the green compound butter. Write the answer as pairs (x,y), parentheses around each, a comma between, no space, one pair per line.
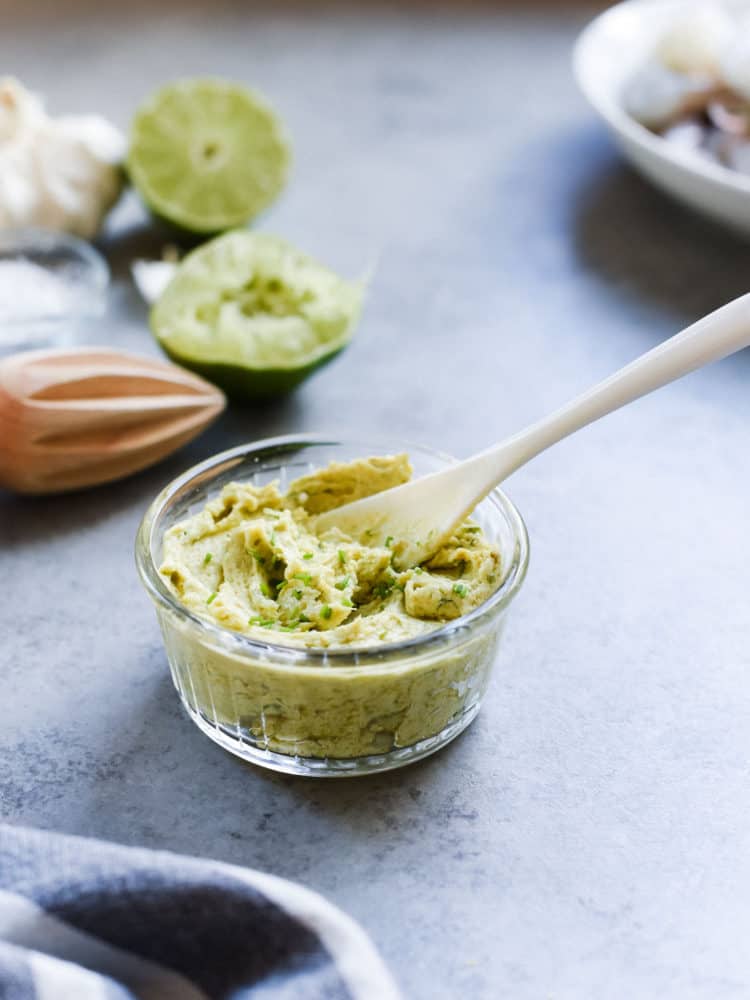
(251,562)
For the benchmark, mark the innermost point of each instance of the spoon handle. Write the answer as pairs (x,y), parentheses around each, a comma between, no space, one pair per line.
(709,339)
(422,514)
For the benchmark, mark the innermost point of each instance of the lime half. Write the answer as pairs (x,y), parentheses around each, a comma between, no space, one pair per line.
(207,155)
(254,315)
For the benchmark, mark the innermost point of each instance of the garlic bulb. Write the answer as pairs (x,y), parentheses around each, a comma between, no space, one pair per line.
(56,173)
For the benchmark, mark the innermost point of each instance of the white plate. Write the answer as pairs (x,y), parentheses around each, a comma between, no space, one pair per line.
(606,54)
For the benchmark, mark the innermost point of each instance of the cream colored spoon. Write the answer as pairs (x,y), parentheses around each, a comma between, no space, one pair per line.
(420,515)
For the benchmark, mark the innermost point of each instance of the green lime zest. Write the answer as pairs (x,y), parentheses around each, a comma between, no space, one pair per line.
(262,622)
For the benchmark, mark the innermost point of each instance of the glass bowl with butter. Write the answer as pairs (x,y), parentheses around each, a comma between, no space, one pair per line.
(311,654)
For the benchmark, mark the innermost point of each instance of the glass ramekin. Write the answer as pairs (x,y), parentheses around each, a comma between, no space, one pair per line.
(323,712)
(72,294)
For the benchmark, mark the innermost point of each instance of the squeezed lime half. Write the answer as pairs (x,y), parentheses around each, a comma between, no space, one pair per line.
(254,315)
(207,154)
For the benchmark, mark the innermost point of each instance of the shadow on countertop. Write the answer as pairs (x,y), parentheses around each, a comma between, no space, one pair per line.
(573,204)
(131,234)
(632,234)
(156,777)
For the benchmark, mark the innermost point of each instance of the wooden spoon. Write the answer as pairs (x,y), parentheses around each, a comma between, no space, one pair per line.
(417,517)
(74,418)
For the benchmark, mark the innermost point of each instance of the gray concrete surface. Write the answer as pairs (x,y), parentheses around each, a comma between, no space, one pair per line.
(588,837)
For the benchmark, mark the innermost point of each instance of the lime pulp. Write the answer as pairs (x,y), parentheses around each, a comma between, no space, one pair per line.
(207,154)
(255,315)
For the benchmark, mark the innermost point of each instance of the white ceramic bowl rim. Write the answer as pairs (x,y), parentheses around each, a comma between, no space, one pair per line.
(160,593)
(609,107)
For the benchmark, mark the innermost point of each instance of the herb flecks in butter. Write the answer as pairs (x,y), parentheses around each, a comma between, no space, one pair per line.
(272,572)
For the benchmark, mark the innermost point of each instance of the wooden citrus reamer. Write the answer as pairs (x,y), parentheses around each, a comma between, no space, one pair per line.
(75,418)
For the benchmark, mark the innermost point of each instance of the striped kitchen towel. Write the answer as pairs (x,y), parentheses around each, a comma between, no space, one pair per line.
(84,920)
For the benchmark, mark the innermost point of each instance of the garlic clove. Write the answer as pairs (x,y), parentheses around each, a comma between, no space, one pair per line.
(102,140)
(151,277)
(656,96)
(689,135)
(20,111)
(730,117)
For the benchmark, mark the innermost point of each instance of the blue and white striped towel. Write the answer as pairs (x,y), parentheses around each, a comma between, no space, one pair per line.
(85,920)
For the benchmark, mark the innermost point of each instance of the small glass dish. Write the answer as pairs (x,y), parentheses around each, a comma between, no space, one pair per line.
(50,284)
(326,712)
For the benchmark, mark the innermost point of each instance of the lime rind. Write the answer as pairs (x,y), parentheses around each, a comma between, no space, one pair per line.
(247,385)
(207,155)
(255,315)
